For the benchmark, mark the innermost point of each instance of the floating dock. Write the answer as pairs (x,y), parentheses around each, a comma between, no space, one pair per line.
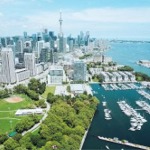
(123,142)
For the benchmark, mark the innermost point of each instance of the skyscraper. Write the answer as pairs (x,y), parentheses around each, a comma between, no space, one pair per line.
(61,39)
(45,55)
(8,65)
(29,60)
(79,68)
(40,45)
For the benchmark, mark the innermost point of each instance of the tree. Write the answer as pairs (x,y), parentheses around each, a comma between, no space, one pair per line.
(42,88)
(34,85)
(3,138)
(51,98)
(4,93)
(11,144)
(25,141)
(35,138)
(126,68)
(20,89)
(17,137)
(33,95)
(41,103)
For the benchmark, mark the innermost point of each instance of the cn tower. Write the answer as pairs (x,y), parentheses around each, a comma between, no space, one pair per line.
(60,21)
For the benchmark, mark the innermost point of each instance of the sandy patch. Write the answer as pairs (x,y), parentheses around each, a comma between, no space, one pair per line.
(14,99)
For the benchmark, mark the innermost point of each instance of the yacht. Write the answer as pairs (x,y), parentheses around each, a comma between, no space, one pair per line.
(104,103)
(107,147)
(132,129)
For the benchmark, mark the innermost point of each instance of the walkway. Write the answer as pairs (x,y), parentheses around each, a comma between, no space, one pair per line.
(36,126)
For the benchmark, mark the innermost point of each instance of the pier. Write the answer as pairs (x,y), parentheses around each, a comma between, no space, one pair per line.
(124,142)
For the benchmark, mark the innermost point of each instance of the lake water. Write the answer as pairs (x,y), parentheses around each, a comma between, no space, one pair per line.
(129,53)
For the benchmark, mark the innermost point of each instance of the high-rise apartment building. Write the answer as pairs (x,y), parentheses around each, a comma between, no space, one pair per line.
(44,55)
(29,60)
(8,66)
(40,45)
(80,69)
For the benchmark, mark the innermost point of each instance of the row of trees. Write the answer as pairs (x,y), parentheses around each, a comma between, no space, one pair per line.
(141,76)
(4,93)
(35,87)
(125,68)
(26,123)
(98,78)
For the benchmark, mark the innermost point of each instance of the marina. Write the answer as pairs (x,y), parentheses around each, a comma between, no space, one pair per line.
(121,86)
(131,123)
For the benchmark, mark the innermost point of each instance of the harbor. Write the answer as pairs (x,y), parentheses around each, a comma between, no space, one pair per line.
(131,122)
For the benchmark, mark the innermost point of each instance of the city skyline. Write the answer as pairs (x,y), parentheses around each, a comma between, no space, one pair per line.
(104,19)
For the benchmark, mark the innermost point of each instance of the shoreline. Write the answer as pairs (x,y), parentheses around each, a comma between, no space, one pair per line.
(86,132)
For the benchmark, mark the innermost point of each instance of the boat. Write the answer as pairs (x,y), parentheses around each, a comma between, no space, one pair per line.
(107,147)
(104,103)
(132,129)
(138,127)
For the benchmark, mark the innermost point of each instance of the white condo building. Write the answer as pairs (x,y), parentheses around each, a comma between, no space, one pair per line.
(29,60)
(8,67)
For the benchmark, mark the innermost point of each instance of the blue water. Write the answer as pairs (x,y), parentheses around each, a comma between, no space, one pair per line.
(129,53)
(120,123)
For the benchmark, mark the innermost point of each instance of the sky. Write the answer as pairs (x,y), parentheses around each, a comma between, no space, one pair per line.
(117,19)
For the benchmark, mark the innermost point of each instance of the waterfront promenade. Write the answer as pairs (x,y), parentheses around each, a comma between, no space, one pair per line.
(124,142)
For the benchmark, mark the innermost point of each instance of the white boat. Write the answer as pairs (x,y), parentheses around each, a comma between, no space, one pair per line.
(104,103)
(132,129)
(107,147)
(138,127)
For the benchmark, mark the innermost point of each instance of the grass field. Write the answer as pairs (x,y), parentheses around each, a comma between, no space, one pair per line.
(8,120)
(5,106)
(49,89)
(7,125)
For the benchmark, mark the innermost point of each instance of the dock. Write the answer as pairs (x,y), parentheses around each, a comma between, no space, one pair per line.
(124,142)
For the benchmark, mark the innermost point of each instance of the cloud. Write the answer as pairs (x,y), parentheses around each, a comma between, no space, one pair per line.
(115,15)
(99,21)
(6,1)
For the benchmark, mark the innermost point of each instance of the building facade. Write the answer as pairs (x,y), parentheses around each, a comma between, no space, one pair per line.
(8,66)
(80,69)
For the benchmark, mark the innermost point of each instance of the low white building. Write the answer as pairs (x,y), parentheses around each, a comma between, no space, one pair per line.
(80,89)
(22,112)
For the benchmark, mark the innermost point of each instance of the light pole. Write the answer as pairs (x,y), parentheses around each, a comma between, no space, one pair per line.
(10,124)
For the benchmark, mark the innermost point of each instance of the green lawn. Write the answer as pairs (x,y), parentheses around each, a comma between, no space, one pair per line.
(5,106)
(49,89)
(7,117)
(7,125)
